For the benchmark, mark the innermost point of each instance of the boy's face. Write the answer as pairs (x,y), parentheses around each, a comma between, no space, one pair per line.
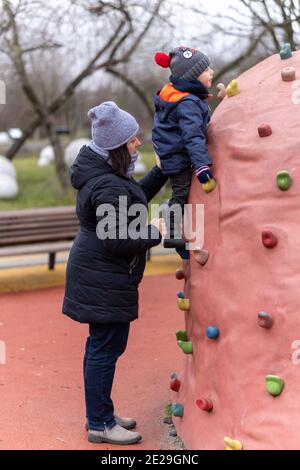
(206,77)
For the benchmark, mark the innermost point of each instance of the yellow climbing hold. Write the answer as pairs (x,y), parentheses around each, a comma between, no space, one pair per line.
(232,444)
(183,304)
(233,88)
(209,186)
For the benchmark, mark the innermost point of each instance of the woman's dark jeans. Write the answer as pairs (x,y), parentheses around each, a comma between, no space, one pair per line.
(104,346)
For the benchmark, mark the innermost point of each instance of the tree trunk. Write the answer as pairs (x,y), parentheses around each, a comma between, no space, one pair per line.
(60,165)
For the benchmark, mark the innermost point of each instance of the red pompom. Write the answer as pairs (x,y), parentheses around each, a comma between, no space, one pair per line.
(162,59)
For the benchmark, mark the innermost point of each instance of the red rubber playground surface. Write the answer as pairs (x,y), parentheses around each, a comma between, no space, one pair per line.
(41,387)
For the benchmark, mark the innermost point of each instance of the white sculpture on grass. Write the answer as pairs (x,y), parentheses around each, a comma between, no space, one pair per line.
(7,168)
(73,149)
(15,133)
(8,179)
(46,156)
(5,140)
(8,187)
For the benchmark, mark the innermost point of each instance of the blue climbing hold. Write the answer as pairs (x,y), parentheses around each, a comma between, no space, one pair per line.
(212,332)
(180,294)
(177,410)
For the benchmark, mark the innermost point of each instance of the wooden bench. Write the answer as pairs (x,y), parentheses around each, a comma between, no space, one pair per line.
(49,230)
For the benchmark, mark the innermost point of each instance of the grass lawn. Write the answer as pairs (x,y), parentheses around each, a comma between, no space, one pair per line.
(39,186)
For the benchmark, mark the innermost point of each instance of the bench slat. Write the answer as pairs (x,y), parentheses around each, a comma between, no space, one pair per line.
(37,248)
(19,220)
(50,225)
(44,212)
(36,238)
(30,231)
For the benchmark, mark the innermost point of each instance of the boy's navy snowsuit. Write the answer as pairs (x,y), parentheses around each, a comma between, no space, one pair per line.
(180,122)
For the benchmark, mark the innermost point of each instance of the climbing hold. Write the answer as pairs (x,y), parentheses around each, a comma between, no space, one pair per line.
(179,274)
(269,239)
(288,74)
(233,88)
(284,180)
(201,256)
(181,335)
(175,383)
(186,346)
(180,294)
(177,410)
(286,51)
(274,385)
(264,130)
(222,91)
(212,332)
(232,444)
(205,404)
(265,320)
(209,186)
(183,304)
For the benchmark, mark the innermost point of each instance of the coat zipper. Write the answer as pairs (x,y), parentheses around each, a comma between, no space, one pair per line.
(133,264)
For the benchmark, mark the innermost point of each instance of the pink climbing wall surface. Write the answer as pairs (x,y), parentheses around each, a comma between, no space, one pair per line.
(243,277)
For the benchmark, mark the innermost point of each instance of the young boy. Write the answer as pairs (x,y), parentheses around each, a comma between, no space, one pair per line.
(180,122)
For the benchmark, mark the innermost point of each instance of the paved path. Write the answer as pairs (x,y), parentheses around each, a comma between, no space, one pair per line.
(41,392)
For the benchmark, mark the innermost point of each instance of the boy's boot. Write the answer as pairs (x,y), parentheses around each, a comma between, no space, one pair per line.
(174,238)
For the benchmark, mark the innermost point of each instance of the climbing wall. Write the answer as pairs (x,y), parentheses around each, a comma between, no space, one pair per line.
(240,380)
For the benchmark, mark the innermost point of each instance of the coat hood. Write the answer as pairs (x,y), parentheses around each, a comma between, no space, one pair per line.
(87,165)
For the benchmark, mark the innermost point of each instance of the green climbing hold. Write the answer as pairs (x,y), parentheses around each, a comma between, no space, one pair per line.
(284,180)
(274,385)
(286,51)
(177,410)
(181,335)
(186,346)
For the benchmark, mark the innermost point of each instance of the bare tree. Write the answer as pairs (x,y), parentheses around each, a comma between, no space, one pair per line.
(257,27)
(117,35)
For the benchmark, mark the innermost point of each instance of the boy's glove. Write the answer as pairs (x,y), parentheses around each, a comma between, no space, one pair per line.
(206,178)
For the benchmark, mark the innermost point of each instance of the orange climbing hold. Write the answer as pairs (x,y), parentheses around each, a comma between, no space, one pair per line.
(221,91)
(288,74)
(201,256)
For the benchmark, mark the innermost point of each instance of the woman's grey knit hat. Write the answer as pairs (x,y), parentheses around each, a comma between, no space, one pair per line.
(184,62)
(112,127)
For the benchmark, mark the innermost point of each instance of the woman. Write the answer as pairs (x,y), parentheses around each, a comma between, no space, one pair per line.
(105,267)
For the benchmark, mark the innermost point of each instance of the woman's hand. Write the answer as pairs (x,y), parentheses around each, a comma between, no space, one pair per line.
(160,224)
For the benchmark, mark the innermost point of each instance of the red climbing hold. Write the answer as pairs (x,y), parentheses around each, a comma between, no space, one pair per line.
(179,274)
(264,130)
(269,239)
(265,320)
(205,404)
(175,385)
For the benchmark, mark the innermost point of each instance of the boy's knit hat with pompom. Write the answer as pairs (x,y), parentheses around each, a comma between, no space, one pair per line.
(184,62)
